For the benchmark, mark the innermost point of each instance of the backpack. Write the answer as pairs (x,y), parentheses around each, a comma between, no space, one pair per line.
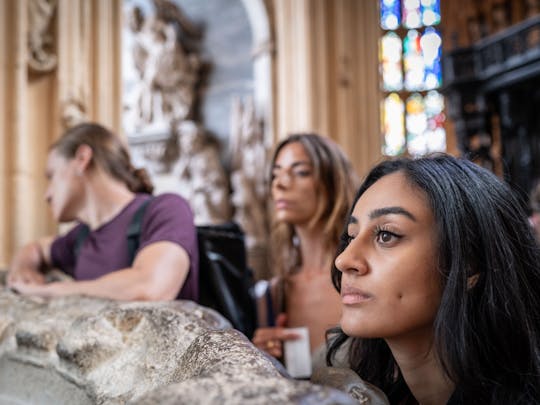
(225,280)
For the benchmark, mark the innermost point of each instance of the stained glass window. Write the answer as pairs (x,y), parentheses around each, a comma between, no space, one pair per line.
(392,72)
(392,122)
(412,110)
(390,14)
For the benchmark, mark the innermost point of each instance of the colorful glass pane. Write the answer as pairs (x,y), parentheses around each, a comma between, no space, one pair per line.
(392,121)
(435,133)
(390,14)
(416,124)
(411,14)
(424,123)
(390,57)
(430,44)
(413,62)
(431,12)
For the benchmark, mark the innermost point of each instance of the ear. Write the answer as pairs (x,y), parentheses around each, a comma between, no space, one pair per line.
(83,158)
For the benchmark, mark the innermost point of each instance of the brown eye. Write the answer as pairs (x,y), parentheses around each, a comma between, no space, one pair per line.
(386,237)
(302,173)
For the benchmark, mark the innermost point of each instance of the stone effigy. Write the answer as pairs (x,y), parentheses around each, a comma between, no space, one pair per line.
(91,351)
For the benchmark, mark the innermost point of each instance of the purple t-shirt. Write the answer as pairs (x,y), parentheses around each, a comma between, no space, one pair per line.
(168,217)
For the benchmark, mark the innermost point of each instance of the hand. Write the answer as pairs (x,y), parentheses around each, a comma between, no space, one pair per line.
(42,290)
(271,339)
(24,276)
(28,261)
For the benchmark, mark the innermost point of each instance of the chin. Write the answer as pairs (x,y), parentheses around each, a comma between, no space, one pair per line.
(351,328)
(63,217)
(283,217)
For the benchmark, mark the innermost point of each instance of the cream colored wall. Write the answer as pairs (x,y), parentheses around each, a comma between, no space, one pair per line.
(327,73)
(325,80)
(87,75)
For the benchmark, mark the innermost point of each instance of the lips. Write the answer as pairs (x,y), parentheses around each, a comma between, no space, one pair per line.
(282,204)
(351,296)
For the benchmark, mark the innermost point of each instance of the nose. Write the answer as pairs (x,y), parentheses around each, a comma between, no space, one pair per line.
(351,261)
(282,180)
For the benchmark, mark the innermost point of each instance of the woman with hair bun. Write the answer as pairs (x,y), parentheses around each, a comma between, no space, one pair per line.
(91,180)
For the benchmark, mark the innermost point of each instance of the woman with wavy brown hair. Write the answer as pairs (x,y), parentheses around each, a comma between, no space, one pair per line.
(312,187)
(91,180)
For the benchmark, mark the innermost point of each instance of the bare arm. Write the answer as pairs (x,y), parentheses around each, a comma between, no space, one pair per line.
(158,273)
(29,262)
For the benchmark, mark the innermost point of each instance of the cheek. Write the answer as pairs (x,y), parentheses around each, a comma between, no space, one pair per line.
(406,298)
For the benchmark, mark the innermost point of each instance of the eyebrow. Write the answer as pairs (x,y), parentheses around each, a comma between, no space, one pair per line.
(295,164)
(379,212)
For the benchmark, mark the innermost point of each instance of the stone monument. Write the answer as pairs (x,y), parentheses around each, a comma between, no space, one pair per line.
(79,350)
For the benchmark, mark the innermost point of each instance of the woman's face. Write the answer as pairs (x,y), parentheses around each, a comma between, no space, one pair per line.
(390,286)
(294,188)
(64,185)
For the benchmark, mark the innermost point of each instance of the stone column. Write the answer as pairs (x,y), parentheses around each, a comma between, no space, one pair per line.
(77,74)
(327,73)
(15,178)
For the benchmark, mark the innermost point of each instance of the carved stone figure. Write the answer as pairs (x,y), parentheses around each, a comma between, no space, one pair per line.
(201,177)
(249,160)
(249,166)
(73,112)
(168,71)
(41,59)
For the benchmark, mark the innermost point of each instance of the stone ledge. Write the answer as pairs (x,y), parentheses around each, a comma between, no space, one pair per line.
(80,350)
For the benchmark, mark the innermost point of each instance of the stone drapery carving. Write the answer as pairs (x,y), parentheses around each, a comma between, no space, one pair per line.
(90,351)
(168,64)
(73,112)
(249,165)
(164,136)
(201,177)
(188,163)
(41,58)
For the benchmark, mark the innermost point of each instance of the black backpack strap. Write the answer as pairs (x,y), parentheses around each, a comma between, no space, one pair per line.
(81,237)
(133,233)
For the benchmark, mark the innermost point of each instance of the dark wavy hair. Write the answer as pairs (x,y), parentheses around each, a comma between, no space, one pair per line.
(108,152)
(486,335)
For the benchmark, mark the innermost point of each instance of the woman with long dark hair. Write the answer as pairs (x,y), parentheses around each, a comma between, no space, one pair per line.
(439,272)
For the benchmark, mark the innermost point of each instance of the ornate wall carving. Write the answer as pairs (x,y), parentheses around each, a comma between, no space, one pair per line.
(41,56)
(184,158)
(249,167)
(168,62)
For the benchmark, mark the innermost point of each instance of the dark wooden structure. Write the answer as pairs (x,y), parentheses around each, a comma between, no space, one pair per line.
(493,95)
